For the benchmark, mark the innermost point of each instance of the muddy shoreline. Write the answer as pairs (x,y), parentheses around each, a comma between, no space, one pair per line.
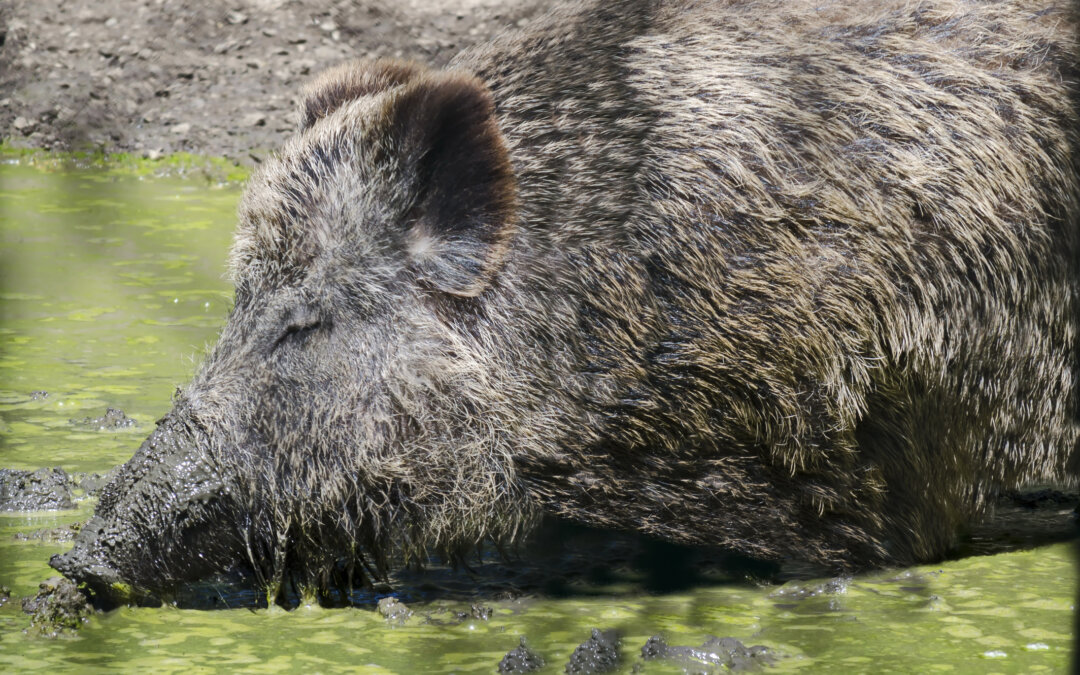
(156,77)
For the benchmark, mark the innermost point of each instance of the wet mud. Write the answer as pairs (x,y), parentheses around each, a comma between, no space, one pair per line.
(48,489)
(41,490)
(59,608)
(521,659)
(598,654)
(715,655)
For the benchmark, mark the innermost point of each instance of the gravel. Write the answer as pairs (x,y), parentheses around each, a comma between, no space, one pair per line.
(153,77)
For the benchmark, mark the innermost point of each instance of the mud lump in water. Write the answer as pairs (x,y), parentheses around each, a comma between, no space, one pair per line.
(795,279)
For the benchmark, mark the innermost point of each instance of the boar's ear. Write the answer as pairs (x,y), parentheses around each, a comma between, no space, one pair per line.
(444,131)
(349,81)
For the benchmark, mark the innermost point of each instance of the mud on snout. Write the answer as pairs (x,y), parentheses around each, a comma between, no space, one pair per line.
(157,523)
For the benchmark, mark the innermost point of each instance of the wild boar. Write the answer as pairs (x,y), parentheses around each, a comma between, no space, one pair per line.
(797,279)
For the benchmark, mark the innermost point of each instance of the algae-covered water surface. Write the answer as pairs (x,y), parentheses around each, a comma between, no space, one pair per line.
(112,285)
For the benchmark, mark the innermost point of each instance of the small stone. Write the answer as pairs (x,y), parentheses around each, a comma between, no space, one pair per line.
(327,26)
(253,120)
(23,125)
(236,18)
(181,129)
(269,32)
(110,22)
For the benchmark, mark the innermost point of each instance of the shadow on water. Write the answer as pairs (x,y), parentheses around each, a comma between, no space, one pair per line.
(560,559)
(566,560)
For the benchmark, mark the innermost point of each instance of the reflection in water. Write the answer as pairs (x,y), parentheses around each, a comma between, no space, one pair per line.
(110,285)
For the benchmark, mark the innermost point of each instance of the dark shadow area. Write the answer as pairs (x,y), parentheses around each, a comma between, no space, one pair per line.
(563,560)
(1023,520)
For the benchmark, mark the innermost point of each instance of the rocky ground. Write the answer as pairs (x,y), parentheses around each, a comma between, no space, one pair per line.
(153,77)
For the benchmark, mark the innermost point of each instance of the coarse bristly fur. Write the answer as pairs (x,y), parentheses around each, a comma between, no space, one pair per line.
(798,279)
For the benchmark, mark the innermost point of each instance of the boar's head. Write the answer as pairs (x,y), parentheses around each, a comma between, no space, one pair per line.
(344,415)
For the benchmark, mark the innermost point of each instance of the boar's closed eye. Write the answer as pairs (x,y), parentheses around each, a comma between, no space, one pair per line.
(298,332)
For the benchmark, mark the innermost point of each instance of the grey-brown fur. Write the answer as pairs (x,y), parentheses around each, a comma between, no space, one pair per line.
(799,279)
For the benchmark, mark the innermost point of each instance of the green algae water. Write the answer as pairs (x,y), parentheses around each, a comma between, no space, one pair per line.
(111,285)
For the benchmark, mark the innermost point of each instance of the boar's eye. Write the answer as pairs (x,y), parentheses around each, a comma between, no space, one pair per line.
(298,332)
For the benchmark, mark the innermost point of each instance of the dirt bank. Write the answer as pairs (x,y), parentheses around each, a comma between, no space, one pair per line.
(160,76)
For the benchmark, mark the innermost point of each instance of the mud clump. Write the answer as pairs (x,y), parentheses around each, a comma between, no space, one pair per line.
(715,654)
(395,611)
(41,490)
(598,654)
(90,483)
(57,609)
(114,418)
(51,534)
(520,660)
(47,489)
(477,612)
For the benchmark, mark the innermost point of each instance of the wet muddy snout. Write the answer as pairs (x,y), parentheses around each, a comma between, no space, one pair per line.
(160,521)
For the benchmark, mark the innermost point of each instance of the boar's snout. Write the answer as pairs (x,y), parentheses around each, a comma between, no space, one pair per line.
(88,565)
(149,529)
